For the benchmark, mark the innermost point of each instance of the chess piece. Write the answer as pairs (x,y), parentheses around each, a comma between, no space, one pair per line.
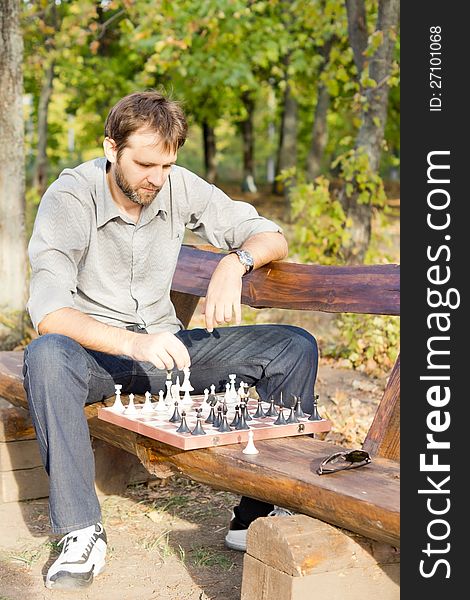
(198,430)
(299,413)
(259,414)
(271,412)
(130,408)
(281,420)
(175,389)
(118,406)
(175,417)
(232,390)
(236,418)
(206,395)
(292,416)
(168,384)
(148,406)
(224,426)
(211,416)
(186,387)
(244,411)
(250,448)
(183,428)
(315,416)
(242,424)
(241,390)
(218,418)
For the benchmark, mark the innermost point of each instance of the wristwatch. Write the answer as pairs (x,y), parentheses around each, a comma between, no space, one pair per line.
(245,258)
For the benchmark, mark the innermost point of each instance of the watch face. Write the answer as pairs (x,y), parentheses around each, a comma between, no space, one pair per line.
(246,258)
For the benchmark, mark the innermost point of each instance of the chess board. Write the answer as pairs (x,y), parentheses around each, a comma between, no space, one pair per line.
(158,427)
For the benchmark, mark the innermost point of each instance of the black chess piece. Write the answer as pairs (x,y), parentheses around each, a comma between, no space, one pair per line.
(281,420)
(175,417)
(218,418)
(212,399)
(259,414)
(292,416)
(242,424)
(211,416)
(244,411)
(271,412)
(315,416)
(236,418)
(224,426)
(198,430)
(183,428)
(299,413)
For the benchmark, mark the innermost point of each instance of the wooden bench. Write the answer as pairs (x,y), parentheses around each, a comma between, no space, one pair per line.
(284,472)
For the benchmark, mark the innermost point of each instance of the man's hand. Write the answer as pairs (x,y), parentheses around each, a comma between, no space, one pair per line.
(164,350)
(223,299)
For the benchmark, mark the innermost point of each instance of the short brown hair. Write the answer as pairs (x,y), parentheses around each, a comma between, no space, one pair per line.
(149,110)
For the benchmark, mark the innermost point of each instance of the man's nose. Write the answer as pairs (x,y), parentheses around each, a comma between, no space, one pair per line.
(156,177)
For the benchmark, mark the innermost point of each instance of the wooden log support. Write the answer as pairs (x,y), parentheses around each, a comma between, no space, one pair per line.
(300,558)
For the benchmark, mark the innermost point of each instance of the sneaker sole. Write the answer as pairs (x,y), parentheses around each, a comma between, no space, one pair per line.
(233,545)
(68,582)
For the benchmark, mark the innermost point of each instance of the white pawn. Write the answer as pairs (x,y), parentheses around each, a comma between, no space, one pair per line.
(118,406)
(250,448)
(175,390)
(227,395)
(206,395)
(161,407)
(213,389)
(130,408)
(148,406)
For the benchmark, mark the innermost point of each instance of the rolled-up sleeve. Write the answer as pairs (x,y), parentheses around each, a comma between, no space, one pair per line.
(57,245)
(223,222)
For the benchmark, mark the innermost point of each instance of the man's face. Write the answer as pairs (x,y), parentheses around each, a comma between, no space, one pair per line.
(143,167)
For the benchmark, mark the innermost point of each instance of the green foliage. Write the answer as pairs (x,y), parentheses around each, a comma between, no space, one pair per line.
(369,343)
(319,221)
(360,178)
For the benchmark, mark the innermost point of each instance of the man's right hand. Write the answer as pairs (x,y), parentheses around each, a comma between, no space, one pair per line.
(164,350)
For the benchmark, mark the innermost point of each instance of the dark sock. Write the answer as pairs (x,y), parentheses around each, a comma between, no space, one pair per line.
(250,509)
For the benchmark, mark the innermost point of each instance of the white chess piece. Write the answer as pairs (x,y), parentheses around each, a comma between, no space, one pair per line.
(161,407)
(186,387)
(250,448)
(148,406)
(206,394)
(175,390)
(168,398)
(130,408)
(118,406)
(233,391)
(241,390)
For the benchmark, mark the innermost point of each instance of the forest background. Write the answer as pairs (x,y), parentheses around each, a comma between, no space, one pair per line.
(293,106)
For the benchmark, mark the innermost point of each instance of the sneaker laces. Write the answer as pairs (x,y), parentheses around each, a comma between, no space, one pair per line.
(75,540)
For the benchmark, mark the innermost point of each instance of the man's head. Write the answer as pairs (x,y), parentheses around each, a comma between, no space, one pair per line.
(143,134)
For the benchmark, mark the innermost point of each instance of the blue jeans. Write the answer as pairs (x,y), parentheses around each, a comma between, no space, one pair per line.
(61,377)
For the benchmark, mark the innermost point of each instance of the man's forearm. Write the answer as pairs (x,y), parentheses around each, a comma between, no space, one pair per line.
(266,247)
(88,332)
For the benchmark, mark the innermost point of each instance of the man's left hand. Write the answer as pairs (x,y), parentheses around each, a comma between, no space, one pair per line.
(223,298)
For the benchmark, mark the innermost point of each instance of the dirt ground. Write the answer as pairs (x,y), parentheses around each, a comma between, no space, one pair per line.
(166,539)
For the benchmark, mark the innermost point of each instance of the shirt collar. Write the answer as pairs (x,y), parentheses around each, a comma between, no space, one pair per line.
(106,208)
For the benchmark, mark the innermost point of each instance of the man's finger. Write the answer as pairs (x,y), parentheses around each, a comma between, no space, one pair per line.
(237,309)
(209,313)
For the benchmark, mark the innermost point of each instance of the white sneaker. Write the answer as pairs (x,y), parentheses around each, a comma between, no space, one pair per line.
(82,557)
(236,536)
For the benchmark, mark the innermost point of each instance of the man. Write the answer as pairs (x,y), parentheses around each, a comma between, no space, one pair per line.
(103,253)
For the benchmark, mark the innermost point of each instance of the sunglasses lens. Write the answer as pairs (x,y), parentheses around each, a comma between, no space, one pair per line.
(344,460)
(357,456)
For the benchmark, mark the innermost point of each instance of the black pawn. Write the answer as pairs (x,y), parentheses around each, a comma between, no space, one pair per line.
(281,420)
(244,411)
(198,430)
(183,428)
(218,418)
(299,413)
(211,417)
(224,426)
(175,417)
(259,414)
(271,412)
(315,416)
(236,418)
(242,424)
(212,399)
(292,416)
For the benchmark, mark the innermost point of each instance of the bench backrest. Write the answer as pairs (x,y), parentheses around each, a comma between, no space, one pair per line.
(366,289)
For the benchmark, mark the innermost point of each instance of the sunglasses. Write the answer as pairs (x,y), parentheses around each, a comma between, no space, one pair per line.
(339,461)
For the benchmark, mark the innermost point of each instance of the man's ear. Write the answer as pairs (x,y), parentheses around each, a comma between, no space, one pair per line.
(110,149)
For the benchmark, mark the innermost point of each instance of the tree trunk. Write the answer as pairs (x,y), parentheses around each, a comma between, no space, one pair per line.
(13,267)
(287,154)
(319,134)
(210,165)
(246,126)
(371,132)
(41,164)
(357,31)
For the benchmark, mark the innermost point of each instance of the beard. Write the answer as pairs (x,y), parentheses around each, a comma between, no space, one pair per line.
(142,197)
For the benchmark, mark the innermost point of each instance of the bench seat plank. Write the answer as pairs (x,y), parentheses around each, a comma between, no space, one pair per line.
(365,500)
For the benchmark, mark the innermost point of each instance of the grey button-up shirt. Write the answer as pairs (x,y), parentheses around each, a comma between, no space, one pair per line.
(86,254)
